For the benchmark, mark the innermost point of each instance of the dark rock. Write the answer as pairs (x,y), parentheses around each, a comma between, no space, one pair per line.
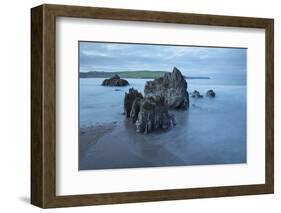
(115,81)
(135,109)
(172,86)
(211,93)
(149,113)
(196,94)
(153,114)
(129,100)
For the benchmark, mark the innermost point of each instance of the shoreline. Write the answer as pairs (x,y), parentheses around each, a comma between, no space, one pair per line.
(89,136)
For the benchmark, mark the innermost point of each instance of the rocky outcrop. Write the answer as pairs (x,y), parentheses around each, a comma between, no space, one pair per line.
(211,93)
(148,113)
(135,109)
(115,81)
(129,100)
(153,114)
(196,94)
(172,87)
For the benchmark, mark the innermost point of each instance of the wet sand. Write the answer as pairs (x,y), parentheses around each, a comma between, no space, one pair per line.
(89,136)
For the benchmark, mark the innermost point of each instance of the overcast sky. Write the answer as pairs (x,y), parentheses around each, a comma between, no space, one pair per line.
(192,61)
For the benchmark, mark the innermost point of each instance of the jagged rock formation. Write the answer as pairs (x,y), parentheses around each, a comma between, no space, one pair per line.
(196,94)
(153,114)
(129,100)
(148,113)
(211,93)
(172,86)
(135,109)
(115,81)
(151,111)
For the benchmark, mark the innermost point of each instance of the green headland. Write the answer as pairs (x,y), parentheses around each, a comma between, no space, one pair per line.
(140,74)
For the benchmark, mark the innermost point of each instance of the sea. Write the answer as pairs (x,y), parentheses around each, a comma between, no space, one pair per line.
(212,131)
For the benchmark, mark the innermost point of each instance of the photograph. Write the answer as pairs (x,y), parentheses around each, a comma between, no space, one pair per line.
(155,105)
(170,105)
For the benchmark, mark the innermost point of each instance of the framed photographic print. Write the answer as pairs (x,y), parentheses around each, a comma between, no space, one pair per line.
(136,106)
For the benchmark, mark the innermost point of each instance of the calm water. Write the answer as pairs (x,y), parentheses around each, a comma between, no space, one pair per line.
(212,131)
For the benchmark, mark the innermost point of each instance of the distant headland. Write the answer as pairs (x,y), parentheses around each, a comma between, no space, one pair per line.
(141,74)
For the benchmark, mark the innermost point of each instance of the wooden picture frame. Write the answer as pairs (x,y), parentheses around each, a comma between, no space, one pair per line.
(43,105)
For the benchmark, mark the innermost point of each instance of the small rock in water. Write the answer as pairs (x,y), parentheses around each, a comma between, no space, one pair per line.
(117,90)
(211,93)
(196,94)
(115,81)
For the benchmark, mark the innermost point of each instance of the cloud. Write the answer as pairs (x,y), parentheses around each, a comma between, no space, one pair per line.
(191,60)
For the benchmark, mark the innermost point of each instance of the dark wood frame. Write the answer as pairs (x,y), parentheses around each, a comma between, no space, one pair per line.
(43,105)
